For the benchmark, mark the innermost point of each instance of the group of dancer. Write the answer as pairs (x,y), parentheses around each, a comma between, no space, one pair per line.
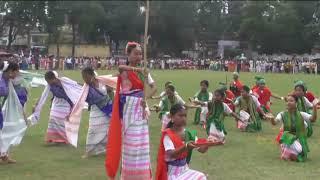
(118,120)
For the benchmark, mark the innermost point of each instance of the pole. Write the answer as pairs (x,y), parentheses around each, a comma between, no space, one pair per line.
(145,45)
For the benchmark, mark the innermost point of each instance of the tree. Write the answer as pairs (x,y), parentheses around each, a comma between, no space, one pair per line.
(21,16)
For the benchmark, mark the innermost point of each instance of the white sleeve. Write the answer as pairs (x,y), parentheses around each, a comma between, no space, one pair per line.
(308,103)
(305,116)
(180,100)
(227,109)
(160,104)
(210,96)
(150,80)
(167,143)
(237,101)
(163,93)
(256,101)
(279,117)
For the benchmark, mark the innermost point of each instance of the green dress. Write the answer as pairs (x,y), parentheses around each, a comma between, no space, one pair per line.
(301,105)
(190,135)
(216,116)
(250,107)
(167,104)
(294,129)
(203,97)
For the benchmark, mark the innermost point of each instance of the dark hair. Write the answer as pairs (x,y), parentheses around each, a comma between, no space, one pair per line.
(174,110)
(89,71)
(12,66)
(301,86)
(171,87)
(246,88)
(130,47)
(220,92)
(49,75)
(205,82)
(295,97)
(167,83)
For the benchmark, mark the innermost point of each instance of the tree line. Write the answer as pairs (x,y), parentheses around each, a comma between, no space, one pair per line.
(267,26)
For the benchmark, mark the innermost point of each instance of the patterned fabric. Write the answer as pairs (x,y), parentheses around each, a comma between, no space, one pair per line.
(72,126)
(56,128)
(97,132)
(135,147)
(178,168)
(59,92)
(103,102)
(249,106)
(165,120)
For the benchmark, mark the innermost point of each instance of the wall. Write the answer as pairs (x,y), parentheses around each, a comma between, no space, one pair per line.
(80,50)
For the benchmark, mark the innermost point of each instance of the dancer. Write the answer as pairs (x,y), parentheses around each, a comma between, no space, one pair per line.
(128,133)
(12,117)
(95,93)
(215,121)
(163,93)
(65,94)
(300,90)
(257,78)
(202,97)
(170,99)
(229,96)
(236,86)
(248,105)
(263,93)
(293,140)
(175,148)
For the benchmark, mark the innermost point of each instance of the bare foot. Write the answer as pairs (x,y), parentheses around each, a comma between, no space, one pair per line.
(8,160)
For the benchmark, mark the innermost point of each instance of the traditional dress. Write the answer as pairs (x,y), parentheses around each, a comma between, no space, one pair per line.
(201,112)
(129,129)
(250,106)
(215,121)
(304,105)
(293,140)
(264,96)
(12,120)
(236,87)
(165,106)
(310,96)
(176,169)
(229,99)
(65,96)
(100,107)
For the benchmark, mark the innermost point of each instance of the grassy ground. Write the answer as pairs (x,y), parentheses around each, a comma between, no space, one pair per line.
(244,156)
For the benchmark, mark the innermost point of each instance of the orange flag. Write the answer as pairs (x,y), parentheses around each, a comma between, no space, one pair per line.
(113,147)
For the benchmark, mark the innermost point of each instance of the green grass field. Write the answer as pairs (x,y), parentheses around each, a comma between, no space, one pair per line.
(244,156)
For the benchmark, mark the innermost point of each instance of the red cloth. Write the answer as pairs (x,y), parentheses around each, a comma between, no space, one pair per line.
(310,96)
(264,96)
(279,135)
(136,82)
(113,146)
(162,168)
(239,85)
(254,87)
(229,99)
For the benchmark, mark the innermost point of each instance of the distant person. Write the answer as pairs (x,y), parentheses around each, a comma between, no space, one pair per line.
(236,86)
